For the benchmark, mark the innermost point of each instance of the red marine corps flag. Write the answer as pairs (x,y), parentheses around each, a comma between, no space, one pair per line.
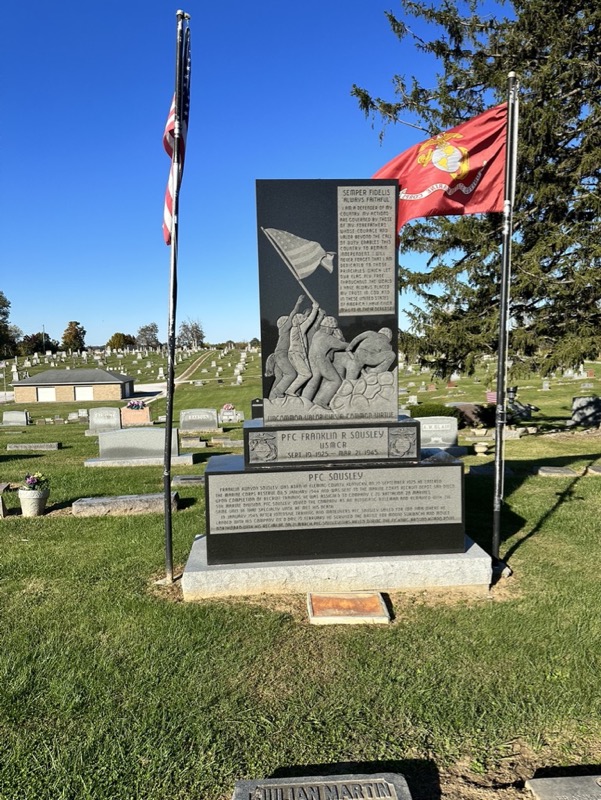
(461,171)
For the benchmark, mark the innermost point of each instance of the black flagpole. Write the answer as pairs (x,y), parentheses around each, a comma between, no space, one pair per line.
(501,414)
(177,133)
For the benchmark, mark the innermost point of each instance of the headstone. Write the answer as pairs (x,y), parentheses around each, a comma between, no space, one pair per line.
(34,446)
(122,505)
(546,386)
(438,431)
(136,446)
(135,443)
(132,417)
(555,472)
(586,411)
(256,408)
(439,434)
(329,472)
(103,419)
(383,786)
(198,419)
(15,418)
(229,415)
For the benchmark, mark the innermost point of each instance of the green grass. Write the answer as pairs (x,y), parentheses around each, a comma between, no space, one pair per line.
(110,688)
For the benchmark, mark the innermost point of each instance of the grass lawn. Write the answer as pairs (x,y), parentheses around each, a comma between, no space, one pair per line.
(111,687)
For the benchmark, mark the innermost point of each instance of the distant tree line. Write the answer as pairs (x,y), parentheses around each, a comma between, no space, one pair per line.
(13,342)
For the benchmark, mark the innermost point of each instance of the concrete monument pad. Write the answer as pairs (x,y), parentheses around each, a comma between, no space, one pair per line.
(380,786)
(469,569)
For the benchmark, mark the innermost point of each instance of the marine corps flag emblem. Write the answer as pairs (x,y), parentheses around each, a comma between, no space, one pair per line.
(461,171)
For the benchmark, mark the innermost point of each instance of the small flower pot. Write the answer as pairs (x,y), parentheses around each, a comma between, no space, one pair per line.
(33,501)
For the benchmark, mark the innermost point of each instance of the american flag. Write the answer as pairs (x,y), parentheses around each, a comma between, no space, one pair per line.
(302,255)
(175,175)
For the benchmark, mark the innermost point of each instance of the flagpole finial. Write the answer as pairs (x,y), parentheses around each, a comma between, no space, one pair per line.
(180,13)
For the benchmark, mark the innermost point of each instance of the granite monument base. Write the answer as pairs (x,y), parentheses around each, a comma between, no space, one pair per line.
(471,569)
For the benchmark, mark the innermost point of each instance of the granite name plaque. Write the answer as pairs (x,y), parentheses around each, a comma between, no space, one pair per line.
(381,509)
(270,447)
(328,295)
(381,786)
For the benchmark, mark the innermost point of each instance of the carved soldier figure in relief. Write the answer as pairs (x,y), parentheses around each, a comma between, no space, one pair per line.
(298,351)
(325,379)
(372,352)
(283,370)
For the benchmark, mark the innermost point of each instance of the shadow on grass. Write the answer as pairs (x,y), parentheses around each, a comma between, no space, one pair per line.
(479,502)
(422,775)
(21,455)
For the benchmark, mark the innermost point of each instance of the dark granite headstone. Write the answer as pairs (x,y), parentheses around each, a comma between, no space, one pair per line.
(256,408)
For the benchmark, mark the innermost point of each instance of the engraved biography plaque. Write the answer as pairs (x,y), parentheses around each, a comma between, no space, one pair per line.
(324,512)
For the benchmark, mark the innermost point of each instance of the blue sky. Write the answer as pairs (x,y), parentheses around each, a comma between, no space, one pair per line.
(86,91)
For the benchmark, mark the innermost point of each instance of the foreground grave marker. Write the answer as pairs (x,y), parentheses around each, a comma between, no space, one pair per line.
(381,786)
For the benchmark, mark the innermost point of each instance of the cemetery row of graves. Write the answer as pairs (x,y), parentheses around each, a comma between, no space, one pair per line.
(112,687)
